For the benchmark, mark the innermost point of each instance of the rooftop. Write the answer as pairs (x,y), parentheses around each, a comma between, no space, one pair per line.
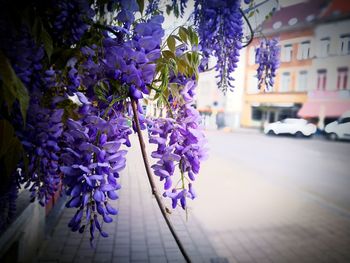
(306,14)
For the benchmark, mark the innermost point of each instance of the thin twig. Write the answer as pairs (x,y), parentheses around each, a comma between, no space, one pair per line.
(152,183)
(250,29)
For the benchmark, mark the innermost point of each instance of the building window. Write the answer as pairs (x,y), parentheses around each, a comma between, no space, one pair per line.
(342,80)
(256,113)
(325,44)
(285,81)
(321,79)
(304,50)
(345,44)
(302,81)
(287,53)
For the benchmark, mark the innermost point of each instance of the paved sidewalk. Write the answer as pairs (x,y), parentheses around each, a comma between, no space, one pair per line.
(137,234)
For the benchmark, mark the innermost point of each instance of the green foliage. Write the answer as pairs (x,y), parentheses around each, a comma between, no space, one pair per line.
(170,64)
(183,34)
(101,91)
(141,4)
(47,41)
(171,42)
(12,87)
(41,35)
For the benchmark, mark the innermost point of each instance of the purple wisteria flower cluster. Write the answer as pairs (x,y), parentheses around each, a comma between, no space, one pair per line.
(180,143)
(219,25)
(92,156)
(71,15)
(74,76)
(27,66)
(40,141)
(92,159)
(177,6)
(268,57)
(152,6)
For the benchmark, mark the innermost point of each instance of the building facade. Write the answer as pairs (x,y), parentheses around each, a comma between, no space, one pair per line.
(314,51)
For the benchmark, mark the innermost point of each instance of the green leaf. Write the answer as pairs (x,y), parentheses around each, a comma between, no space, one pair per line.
(171,43)
(7,74)
(36,29)
(12,86)
(101,91)
(192,36)
(156,96)
(176,37)
(183,34)
(194,59)
(182,65)
(7,97)
(23,98)
(47,41)
(141,4)
(168,54)
(173,66)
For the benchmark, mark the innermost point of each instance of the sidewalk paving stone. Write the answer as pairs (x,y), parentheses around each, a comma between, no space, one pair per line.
(137,234)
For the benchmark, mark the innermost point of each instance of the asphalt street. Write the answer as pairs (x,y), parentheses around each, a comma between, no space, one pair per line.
(315,168)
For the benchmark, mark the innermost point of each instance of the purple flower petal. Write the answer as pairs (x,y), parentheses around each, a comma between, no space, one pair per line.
(99,196)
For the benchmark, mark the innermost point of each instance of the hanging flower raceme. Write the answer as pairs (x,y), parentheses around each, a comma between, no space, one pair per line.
(28,63)
(92,159)
(177,6)
(70,20)
(219,25)
(268,57)
(180,143)
(152,6)
(39,137)
(126,60)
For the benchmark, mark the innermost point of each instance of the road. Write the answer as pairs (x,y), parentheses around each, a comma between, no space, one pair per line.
(282,191)
(318,167)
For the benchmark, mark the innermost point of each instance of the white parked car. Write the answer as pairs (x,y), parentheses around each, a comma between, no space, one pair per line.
(297,127)
(339,129)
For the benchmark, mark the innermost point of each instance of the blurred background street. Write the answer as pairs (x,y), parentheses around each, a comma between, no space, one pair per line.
(261,198)
(275,199)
